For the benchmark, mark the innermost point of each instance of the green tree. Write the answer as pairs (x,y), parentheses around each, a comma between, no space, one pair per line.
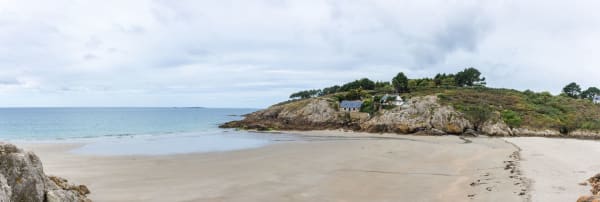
(572,90)
(366,84)
(384,87)
(590,93)
(430,84)
(448,82)
(438,79)
(329,90)
(363,83)
(400,83)
(469,77)
(381,84)
(305,94)
(425,83)
(444,80)
(355,94)
(412,84)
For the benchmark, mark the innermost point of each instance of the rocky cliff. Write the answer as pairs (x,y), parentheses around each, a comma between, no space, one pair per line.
(419,114)
(309,114)
(22,178)
(422,114)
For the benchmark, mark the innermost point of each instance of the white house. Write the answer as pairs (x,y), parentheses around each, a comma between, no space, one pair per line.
(597,99)
(395,100)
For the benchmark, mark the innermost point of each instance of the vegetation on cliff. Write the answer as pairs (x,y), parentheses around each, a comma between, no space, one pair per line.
(469,77)
(498,111)
(523,109)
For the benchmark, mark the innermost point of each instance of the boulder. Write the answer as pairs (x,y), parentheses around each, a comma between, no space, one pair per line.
(62,196)
(589,199)
(587,134)
(470,133)
(5,191)
(595,182)
(496,128)
(419,114)
(411,118)
(63,184)
(434,131)
(595,197)
(23,172)
(449,120)
(523,132)
(22,178)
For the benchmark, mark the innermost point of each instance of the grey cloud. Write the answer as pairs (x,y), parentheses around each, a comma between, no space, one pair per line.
(89,56)
(93,42)
(130,29)
(197,52)
(464,34)
(262,50)
(7,82)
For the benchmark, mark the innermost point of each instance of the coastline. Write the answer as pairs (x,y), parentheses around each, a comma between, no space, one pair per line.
(547,169)
(324,166)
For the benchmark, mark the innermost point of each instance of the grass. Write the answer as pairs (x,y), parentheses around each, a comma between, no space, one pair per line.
(525,109)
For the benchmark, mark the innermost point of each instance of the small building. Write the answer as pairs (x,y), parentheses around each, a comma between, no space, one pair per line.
(394,100)
(350,106)
(596,99)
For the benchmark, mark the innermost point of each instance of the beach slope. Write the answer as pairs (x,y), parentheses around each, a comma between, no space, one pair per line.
(323,166)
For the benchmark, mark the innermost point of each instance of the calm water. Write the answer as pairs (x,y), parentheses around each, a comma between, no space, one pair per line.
(61,123)
(115,131)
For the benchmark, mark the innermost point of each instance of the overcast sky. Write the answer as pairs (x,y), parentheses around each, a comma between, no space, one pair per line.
(252,53)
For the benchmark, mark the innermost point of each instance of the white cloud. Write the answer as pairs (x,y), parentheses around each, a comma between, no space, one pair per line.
(254,53)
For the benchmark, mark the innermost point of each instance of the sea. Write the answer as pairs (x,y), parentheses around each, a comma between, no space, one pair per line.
(131,131)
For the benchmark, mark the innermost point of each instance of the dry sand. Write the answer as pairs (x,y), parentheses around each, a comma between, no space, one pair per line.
(557,166)
(327,166)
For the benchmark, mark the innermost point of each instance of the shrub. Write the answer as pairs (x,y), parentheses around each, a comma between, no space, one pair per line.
(367,106)
(511,118)
(476,114)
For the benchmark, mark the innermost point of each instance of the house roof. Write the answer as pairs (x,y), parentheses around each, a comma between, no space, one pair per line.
(350,104)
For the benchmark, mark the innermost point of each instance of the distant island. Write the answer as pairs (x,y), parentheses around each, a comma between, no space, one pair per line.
(459,103)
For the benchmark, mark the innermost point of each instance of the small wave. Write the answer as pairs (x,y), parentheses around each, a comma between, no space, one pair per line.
(119,135)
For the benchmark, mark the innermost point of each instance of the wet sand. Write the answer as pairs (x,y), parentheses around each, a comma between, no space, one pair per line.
(325,166)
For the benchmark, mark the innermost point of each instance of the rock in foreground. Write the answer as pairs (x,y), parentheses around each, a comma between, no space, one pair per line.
(22,178)
(595,197)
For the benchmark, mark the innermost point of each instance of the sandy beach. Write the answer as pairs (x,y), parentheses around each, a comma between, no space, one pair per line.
(325,166)
(557,166)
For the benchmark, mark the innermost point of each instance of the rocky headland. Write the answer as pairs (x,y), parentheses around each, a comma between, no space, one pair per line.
(419,115)
(22,178)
